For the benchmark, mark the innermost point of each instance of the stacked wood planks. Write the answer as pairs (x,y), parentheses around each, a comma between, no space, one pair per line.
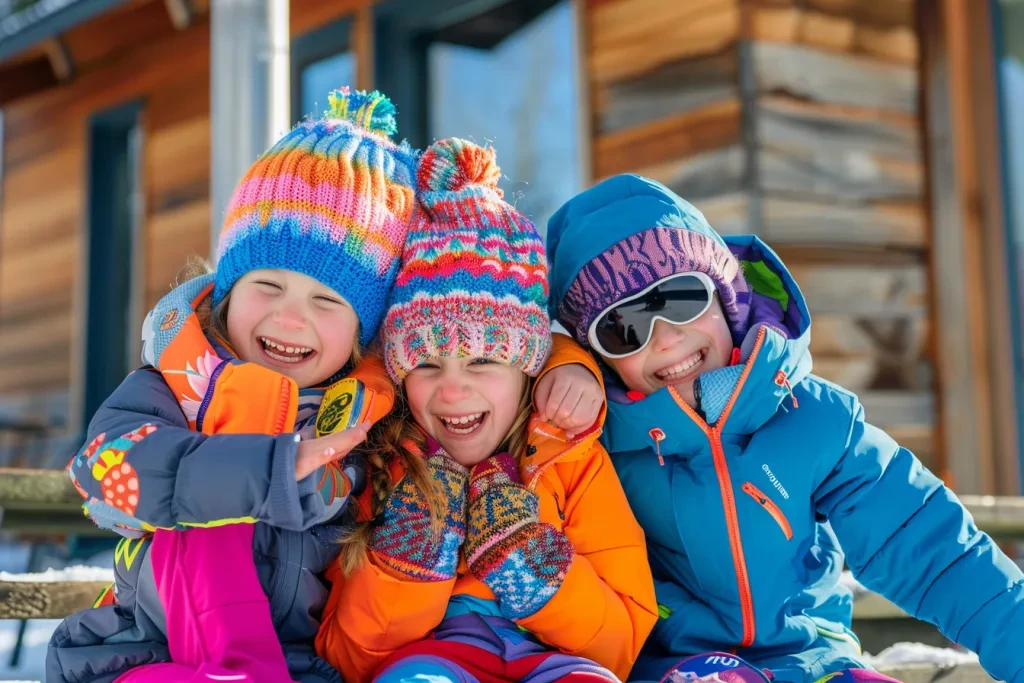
(797,121)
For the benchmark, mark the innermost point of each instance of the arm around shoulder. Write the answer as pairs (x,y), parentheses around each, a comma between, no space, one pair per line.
(565,351)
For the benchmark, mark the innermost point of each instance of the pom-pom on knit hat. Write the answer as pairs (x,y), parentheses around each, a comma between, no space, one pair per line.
(332,199)
(473,280)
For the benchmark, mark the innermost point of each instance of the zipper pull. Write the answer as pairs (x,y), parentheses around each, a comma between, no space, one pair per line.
(658,435)
(783,381)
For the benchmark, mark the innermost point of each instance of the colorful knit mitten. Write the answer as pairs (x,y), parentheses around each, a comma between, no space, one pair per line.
(405,540)
(520,559)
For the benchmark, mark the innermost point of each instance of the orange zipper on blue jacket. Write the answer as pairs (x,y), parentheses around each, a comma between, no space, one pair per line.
(714,435)
(771,508)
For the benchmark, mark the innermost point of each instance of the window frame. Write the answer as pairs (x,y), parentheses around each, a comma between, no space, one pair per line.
(94,378)
(1014,269)
(311,47)
(2,157)
(408,27)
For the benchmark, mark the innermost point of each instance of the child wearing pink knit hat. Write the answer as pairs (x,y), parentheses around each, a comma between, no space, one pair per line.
(497,548)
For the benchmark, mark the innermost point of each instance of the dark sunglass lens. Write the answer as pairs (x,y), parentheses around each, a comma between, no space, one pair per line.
(625,328)
(685,298)
(617,338)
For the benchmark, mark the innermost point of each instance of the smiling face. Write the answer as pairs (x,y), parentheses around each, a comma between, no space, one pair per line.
(467,404)
(677,354)
(292,324)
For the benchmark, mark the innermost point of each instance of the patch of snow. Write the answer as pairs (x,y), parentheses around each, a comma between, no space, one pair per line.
(14,559)
(76,573)
(902,654)
(33,649)
(38,633)
(8,637)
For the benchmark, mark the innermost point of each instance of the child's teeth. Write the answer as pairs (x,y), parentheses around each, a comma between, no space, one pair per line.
(681,367)
(455,424)
(457,428)
(284,359)
(270,344)
(465,419)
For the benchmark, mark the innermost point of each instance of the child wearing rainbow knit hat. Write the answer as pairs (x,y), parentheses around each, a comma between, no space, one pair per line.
(221,461)
(497,548)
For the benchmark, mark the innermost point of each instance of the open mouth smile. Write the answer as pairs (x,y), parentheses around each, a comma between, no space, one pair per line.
(283,352)
(463,425)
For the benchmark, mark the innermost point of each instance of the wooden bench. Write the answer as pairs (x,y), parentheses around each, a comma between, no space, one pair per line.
(38,596)
(43,502)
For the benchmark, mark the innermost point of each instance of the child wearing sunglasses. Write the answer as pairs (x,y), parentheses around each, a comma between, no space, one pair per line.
(755,480)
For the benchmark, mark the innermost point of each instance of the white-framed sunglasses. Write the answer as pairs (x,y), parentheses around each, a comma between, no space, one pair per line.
(625,327)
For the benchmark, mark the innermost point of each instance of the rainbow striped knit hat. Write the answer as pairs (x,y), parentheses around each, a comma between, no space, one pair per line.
(332,199)
(474,277)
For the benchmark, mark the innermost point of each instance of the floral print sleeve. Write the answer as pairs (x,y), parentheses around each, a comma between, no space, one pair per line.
(142,468)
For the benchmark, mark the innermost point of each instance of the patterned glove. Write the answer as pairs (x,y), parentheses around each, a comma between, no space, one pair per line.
(405,540)
(520,559)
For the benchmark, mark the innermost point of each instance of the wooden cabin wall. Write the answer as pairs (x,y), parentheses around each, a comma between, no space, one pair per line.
(797,121)
(129,54)
(132,53)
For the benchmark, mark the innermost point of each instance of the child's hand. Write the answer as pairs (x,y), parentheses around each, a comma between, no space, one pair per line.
(504,531)
(406,540)
(316,452)
(570,398)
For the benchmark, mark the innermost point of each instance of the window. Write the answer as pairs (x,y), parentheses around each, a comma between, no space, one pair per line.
(1009,34)
(323,76)
(113,299)
(1,168)
(321,62)
(503,74)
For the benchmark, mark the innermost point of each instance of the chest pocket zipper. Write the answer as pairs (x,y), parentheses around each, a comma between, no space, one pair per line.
(558,506)
(770,507)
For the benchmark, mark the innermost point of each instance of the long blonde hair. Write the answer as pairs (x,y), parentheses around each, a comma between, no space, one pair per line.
(398,438)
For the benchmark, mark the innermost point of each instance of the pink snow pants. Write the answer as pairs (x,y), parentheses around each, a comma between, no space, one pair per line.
(219,626)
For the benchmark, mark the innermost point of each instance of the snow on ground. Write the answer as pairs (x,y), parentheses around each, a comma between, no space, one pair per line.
(33,649)
(902,654)
(76,573)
